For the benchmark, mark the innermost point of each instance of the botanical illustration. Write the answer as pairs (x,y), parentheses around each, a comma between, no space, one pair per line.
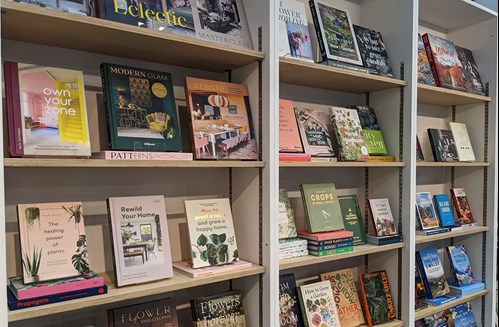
(321,312)
(376,299)
(349,133)
(31,265)
(215,249)
(373,50)
(287,316)
(287,226)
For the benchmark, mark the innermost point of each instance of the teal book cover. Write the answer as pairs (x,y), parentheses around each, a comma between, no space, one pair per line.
(352,218)
(322,208)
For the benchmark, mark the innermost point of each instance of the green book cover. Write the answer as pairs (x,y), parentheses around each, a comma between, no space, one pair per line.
(322,208)
(330,252)
(374,142)
(352,218)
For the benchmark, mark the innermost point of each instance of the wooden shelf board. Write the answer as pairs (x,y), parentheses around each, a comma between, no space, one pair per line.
(432,310)
(394,323)
(114,295)
(343,164)
(304,73)
(358,251)
(102,163)
(440,96)
(452,164)
(65,30)
(467,231)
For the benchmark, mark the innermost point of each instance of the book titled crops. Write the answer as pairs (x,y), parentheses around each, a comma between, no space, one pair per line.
(53,241)
(425,75)
(140,241)
(381,216)
(376,298)
(161,313)
(461,206)
(289,136)
(348,131)
(141,112)
(444,209)
(317,305)
(322,208)
(352,218)
(221,310)
(373,50)
(294,35)
(442,144)
(460,265)
(314,132)
(426,211)
(289,307)
(463,143)
(432,272)
(287,226)
(370,130)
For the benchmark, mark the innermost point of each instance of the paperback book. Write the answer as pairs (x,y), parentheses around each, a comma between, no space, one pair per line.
(461,206)
(419,150)
(317,304)
(425,75)
(373,50)
(314,133)
(462,315)
(443,146)
(294,36)
(185,267)
(444,210)
(473,82)
(352,218)
(221,310)
(287,227)
(438,319)
(463,143)
(426,211)
(371,131)
(289,307)
(161,313)
(322,208)
(376,298)
(432,273)
(460,265)
(289,136)
(348,131)
(381,217)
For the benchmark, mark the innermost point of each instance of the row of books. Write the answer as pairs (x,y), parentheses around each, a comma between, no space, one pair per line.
(460,315)
(449,145)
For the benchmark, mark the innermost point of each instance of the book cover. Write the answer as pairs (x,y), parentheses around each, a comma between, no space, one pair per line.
(294,36)
(46,111)
(419,294)
(445,65)
(138,155)
(346,124)
(460,265)
(426,211)
(53,241)
(376,298)
(140,240)
(439,319)
(317,304)
(141,110)
(221,125)
(335,33)
(345,297)
(352,218)
(432,272)
(370,130)
(185,267)
(211,232)
(381,217)
(444,210)
(161,313)
(289,136)
(419,150)
(322,208)
(425,75)
(82,7)
(287,227)
(463,143)
(373,50)
(442,144)
(222,21)
(462,315)
(473,82)
(312,124)
(461,206)
(289,307)
(221,310)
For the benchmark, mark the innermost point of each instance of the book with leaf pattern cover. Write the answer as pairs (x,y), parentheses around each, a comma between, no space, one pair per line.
(348,131)
(370,130)
(376,298)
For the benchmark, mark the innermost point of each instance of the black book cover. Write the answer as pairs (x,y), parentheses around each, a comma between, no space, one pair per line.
(419,151)
(373,51)
(223,310)
(443,145)
(472,82)
(290,313)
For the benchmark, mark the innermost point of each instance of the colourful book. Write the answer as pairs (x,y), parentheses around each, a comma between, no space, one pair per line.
(314,133)
(460,265)
(221,310)
(425,75)
(371,131)
(294,36)
(463,315)
(461,206)
(53,241)
(381,217)
(317,305)
(376,298)
(322,208)
(319,248)
(467,289)
(289,136)
(473,82)
(330,252)
(352,218)
(287,226)
(444,210)
(442,144)
(221,125)
(432,272)
(373,50)
(463,143)
(327,236)
(348,131)
(426,211)
(138,155)
(139,239)
(289,307)
(438,319)
(185,267)
(161,313)
(294,157)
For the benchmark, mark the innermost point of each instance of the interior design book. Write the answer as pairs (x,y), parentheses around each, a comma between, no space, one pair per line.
(335,33)
(185,267)
(463,143)
(287,226)
(289,136)
(462,274)
(426,211)
(53,241)
(139,155)
(221,125)
(432,272)
(161,313)
(444,209)
(322,208)
(373,50)
(462,315)
(371,131)
(140,240)
(221,310)
(317,304)
(82,7)
(381,216)
(442,144)
(473,82)
(352,218)
(461,206)
(376,298)
(425,75)
(294,35)
(314,132)
(348,131)
(211,232)
(140,109)
(46,111)
(289,307)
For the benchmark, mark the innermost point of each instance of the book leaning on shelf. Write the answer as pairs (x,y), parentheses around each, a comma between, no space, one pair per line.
(322,209)
(348,132)
(463,143)
(289,136)
(432,273)
(289,307)
(224,310)
(464,216)
(317,304)
(371,131)
(442,145)
(352,218)
(381,217)
(294,36)
(161,313)
(373,51)
(461,272)
(376,298)
(427,215)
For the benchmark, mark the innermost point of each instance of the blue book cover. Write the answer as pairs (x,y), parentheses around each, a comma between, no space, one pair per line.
(432,272)
(460,265)
(467,289)
(439,319)
(463,316)
(444,210)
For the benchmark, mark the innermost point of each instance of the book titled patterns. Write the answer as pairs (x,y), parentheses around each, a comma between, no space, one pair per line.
(314,132)
(382,218)
(425,76)
(287,227)
(461,206)
(463,315)
(317,305)
(322,208)
(294,36)
(348,131)
(289,307)
(444,209)
(221,310)
(161,313)
(376,298)
(371,130)
(289,136)
(352,218)
(473,82)
(463,143)
(460,265)
(373,50)
(442,144)
(426,211)
(432,272)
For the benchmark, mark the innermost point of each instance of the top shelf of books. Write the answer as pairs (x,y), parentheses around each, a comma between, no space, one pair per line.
(440,96)
(65,30)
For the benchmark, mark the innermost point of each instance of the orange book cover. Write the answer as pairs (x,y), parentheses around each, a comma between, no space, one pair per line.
(363,299)
(289,136)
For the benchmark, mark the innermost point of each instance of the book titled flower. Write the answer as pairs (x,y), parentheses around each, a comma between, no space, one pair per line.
(376,298)
(161,313)
(221,310)
(381,216)
(289,307)
(317,305)
(426,211)
(432,272)
(462,274)
(348,131)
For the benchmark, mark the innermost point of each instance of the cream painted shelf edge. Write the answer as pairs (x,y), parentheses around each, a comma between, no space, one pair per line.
(452,164)
(432,310)
(343,164)
(441,96)
(467,231)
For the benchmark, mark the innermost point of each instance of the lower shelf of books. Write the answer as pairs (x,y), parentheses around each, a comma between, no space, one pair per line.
(394,323)
(432,310)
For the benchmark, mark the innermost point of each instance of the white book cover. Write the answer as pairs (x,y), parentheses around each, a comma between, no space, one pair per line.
(294,35)
(382,217)
(318,304)
(139,233)
(463,143)
(211,232)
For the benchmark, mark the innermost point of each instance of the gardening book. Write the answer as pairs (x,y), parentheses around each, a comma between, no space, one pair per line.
(185,267)
(161,313)
(373,50)
(376,298)
(335,33)
(140,240)
(371,130)
(221,125)
(432,272)
(317,305)
(473,82)
(294,36)
(461,206)
(346,125)
(211,232)
(345,297)
(289,136)
(382,218)
(287,227)
(53,241)
(314,133)
(442,144)
(322,208)
(442,204)
(460,265)
(327,238)
(46,111)
(425,75)
(426,211)
(140,107)
(289,307)
(463,315)
(352,218)
(221,310)
(463,143)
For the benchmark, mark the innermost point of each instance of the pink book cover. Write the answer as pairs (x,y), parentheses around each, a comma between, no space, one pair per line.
(300,157)
(324,236)
(185,267)
(289,137)
(138,155)
(13,108)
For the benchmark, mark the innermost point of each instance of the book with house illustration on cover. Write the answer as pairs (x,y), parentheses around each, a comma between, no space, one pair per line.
(314,132)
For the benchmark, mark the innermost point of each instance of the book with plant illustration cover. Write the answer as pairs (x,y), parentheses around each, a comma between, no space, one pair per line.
(53,241)
(442,144)
(322,208)
(345,296)
(314,133)
(221,310)
(140,240)
(373,50)
(461,206)
(381,216)
(289,136)
(460,265)
(432,272)
(370,130)
(425,76)
(376,298)
(352,218)
(289,307)
(426,211)
(317,305)
(211,232)
(473,82)
(294,36)
(161,313)
(348,131)
(287,226)
(462,315)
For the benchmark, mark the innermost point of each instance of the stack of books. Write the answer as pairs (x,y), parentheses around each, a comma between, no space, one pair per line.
(327,243)
(292,248)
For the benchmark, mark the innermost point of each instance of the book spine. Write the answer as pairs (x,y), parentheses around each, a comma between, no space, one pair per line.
(373,221)
(330,242)
(59,288)
(422,274)
(302,307)
(305,207)
(314,9)
(388,295)
(363,299)
(190,108)
(330,247)
(431,59)
(455,204)
(433,146)
(107,105)
(331,252)
(15,118)
(110,224)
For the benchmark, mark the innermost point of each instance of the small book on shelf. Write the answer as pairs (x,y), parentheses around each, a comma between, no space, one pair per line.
(326,237)
(467,289)
(432,272)
(463,143)
(381,217)
(150,314)
(442,145)
(460,265)
(352,218)
(314,132)
(289,135)
(317,304)
(425,75)
(463,315)
(444,209)
(473,82)
(419,150)
(322,208)
(223,309)
(376,298)
(289,313)
(373,51)
(426,211)
(371,131)
(139,155)
(461,207)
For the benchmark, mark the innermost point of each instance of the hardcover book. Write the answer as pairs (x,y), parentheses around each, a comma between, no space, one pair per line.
(141,110)
(289,136)
(370,130)
(334,246)
(314,133)
(419,150)
(462,274)
(211,232)
(185,267)
(438,319)
(384,240)
(348,132)
(426,211)
(331,252)
(462,315)
(373,50)
(294,36)
(468,289)
(322,208)
(161,313)
(376,298)
(81,7)
(327,237)
(317,305)
(140,240)
(463,143)
(53,241)
(473,82)
(335,33)
(46,111)
(221,310)
(382,218)
(444,210)
(289,307)
(432,272)
(352,218)
(442,144)
(461,206)
(138,155)
(287,227)
(420,295)
(345,297)
(425,75)
(221,125)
